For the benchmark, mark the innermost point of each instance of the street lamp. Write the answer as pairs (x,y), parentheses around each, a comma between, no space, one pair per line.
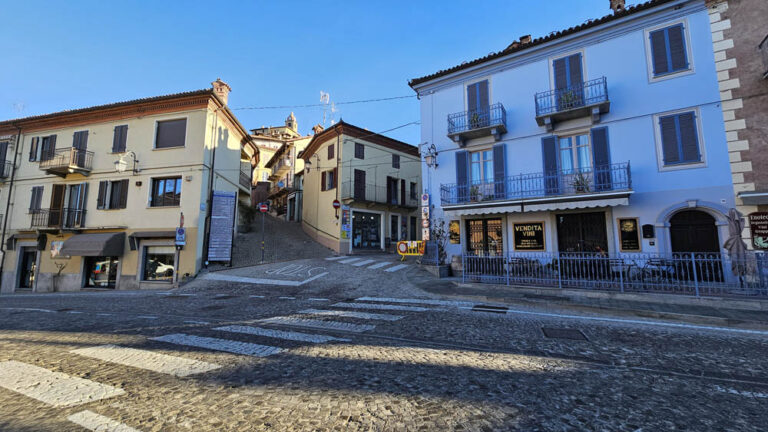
(430,156)
(121,165)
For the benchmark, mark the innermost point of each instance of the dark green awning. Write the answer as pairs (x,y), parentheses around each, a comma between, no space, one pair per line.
(102,244)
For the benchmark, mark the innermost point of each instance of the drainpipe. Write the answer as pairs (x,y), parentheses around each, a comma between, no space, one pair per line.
(8,201)
(209,201)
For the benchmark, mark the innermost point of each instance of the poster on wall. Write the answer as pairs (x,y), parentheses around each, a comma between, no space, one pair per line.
(629,235)
(758,227)
(529,236)
(222,226)
(56,250)
(346,227)
(454,232)
(425,234)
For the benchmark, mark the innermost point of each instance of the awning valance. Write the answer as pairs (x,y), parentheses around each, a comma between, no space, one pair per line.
(101,244)
(536,206)
(154,234)
(569,205)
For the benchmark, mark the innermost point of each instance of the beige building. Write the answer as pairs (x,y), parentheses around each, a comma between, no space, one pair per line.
(377,181)
(96,193)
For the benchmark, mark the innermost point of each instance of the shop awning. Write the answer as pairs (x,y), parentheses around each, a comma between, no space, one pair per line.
(569,205)
(537,205)
(482,210)
(102,244)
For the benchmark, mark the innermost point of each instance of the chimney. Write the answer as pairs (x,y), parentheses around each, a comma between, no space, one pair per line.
(222,90)
(316,129)
(525,39)
(618,6)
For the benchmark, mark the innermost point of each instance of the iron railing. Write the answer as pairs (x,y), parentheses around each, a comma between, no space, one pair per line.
(576,96)
(67,158)
(697,274)
(58,218)
(492,115)
(5,169)
(607,178)
(373,193)
(283,162)
(245,180)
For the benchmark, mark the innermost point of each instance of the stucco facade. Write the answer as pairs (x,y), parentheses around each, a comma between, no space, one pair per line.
(583,170)
(89,188)
(372,214)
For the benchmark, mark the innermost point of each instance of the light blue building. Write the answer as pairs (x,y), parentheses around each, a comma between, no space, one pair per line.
(607,137)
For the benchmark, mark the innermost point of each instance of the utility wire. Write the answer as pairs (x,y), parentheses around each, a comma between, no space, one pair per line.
(322,104)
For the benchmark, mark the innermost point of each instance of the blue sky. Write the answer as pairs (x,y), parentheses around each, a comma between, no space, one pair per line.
(66,55)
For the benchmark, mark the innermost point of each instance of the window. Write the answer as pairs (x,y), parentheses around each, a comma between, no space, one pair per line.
(679,139)
(34,149)
(574,153)
(481,167)
(112,195)
(171,133)
(36,200)
(414,191)
(396,161)
(668,50)
(359,151)
(119,139)
(101,272)
(477,96)
(328,180)
(166,192)
(330,152)
(48,148)
(158,263)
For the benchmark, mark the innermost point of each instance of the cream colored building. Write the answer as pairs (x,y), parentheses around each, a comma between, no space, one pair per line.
(105,187)
(377,181)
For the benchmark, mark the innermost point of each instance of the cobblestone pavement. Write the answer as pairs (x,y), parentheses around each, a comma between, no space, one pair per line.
(360,348)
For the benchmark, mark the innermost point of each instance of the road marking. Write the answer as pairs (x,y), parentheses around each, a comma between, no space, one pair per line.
(287,298)
(348,314)
(98,423)
(146,316)
(259,281)
(380,265)
(416,301)
(279,334)
(328,325)
(196,322)
(363,262)
(142,359)
(27,309)
(396,268)
(381,307)
(104,314)
(313,278)
(741,392)
(317,299)
(74,312)
(256,296)
(335,258)
(216,344)
(53,388)
(349,260)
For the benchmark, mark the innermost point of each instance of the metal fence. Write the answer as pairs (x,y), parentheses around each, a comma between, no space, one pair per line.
(576,96)
(483,117)
(697,274)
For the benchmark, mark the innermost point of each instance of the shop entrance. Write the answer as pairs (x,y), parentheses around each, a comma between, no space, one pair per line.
(27,267)
(366,230)
(485,237)
(582,232)
(693,231)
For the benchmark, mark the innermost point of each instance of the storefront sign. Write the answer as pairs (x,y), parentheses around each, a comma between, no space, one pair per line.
(758,226)
(454,232)
(629,235)
(529,236)
(222,226)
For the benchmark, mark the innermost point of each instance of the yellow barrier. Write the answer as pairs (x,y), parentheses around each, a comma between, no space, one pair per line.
(410,248)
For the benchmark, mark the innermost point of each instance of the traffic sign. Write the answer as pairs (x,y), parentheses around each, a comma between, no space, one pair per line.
(336,204)
(425,223)
(263,207)
(181,236)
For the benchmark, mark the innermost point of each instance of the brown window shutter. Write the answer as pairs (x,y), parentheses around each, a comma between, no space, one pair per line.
(402,192)
(322,181)
(335,178)
(102,198)
(124,193)
(33,149)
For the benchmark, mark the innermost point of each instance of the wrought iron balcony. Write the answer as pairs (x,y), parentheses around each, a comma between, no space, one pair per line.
(600,180)
(485,121)
(245,180)
(67,161)
(764,53)
(582,100)
(66,218)
(276,189)
(5,169)
(375,194)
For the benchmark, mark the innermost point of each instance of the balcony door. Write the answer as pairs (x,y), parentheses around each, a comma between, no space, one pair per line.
(478,102)
(359,192)
(56,212)
(76,205)
(80,144)
(569,88)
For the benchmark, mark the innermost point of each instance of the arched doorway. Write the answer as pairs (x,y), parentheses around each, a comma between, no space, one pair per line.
(693,231)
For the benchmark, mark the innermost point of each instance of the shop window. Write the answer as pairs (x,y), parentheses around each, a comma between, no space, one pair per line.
(158,263)
(101,272)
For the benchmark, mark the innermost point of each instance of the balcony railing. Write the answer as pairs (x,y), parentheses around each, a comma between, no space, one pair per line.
(609,178)
(764,53)
(58,218)
(489,120)
(281,164)
(588,98)
(5,169)
(67,160)
(373,193)
(245,180)
(276,188)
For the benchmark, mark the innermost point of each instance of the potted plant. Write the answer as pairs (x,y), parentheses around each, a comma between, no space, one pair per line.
(474,120)
(567,100)
(580,183)
(439,235)
(474,194)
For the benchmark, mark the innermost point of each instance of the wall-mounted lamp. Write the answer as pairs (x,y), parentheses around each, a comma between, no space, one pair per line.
(121,165)
(430,156)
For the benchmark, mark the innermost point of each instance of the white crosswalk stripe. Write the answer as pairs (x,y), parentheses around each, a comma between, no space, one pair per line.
(416,301)
(321,324)
(396,268)
(349,260)
(53,388)
(216,344)
(381,307)
(143,359)
(363,262)
(334,258)
(348,314)
(280,334)
(98,423)
(379,265)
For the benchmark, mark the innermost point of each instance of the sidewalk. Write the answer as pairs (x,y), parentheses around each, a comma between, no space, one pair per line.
(727,312)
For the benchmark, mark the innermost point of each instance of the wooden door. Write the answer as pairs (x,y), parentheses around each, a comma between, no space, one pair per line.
(359,192)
